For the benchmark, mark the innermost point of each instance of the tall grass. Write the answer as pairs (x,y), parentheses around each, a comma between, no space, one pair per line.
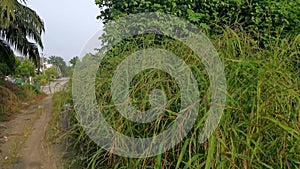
(260,127)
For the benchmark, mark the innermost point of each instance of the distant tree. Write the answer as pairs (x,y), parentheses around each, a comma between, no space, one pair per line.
(56,60)
(51,72)
(74,60)
(59,62)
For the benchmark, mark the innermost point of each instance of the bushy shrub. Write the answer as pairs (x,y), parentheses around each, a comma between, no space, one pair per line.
(264,20)
(41,79)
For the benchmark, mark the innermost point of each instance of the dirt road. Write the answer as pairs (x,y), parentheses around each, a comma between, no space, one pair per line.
(55,86)
(23,143)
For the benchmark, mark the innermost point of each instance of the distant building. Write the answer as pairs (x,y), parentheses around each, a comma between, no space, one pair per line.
(48,65)
(44,64)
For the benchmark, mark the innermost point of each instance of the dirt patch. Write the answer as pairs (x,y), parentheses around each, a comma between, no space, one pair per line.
(22,140)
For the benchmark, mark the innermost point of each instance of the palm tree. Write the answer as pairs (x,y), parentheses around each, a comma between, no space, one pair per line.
(74,60)
(59,63)
(18,25)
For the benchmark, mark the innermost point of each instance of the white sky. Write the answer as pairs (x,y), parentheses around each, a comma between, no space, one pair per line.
(69,25)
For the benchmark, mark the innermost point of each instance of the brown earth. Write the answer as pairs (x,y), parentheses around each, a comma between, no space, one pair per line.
(23,142)
(23,139)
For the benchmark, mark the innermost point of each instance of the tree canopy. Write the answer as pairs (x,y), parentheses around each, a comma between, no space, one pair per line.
(19,26)
(25,68)
(262,19)
(74,60)
(58,62)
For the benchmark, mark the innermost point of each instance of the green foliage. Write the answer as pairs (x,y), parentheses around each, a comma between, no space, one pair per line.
(264,20)
(4,70)
(50,73)
(19,26)
(7,59)
(70,69)
(74,60)
(25,68)
(260,126)
(58,62)
(267,20)
(115,9)
(32,88)
(41,79)
(261,123)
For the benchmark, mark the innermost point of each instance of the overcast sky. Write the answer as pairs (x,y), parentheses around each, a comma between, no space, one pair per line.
(69,25)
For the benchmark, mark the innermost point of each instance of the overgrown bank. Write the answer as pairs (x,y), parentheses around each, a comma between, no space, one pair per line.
(13,97)
(261,122)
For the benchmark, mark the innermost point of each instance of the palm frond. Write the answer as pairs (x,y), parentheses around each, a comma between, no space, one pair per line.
(24,25)
(7,56)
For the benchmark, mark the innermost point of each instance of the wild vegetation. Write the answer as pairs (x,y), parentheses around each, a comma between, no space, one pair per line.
(261,122)
(14,97)
(59,63)
(19,89)
(258,44)
(259,128)
(263,20)
(20,29)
